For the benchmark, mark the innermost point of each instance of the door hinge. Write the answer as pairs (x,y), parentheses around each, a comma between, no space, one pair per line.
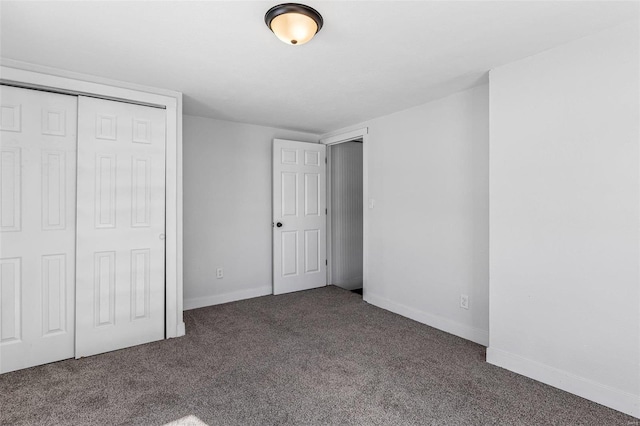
(326,262)
(325,160)
(325,211)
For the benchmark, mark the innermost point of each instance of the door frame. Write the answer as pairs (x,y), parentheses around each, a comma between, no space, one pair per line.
(336,139)
(30,76)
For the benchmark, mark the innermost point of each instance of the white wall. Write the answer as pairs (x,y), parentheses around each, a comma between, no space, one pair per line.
(429,231)
(564,198)
(346,215)
(227,209)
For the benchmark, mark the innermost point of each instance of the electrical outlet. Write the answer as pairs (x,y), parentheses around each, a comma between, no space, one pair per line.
(372,203)
(464,301)
(219,273)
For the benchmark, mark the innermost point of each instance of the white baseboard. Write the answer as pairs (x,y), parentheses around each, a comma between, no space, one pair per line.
(453,327)
(610,397)
(201,302)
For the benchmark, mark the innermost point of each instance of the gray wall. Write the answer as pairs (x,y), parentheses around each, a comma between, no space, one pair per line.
(227,209)
(346,215)
(565,203)
(428,235)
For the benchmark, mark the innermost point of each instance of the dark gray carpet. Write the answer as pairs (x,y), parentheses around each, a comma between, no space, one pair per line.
(315,357)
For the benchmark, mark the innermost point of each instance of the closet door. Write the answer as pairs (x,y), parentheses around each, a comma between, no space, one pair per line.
(120,282)
(37,227)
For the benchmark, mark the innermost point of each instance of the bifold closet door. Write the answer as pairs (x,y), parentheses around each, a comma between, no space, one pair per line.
(120,285)
(37,227)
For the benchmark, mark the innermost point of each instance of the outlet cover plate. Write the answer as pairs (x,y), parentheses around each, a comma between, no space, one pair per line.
(464,301)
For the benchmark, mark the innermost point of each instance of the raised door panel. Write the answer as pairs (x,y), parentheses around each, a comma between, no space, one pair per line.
(140,283)
(311,250)
(105,192)
(311,158)
(289,253)
(141,131)
(106,127)
(54,300)
(288,156)
(141,191)
(10,300)
(53,122)
(10,189)
(104,292)
(289,185)
(10,116)
(312,194)
(54,194)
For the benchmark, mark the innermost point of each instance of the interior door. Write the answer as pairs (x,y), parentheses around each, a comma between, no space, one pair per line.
(299,216)
(37,227)
(120,286)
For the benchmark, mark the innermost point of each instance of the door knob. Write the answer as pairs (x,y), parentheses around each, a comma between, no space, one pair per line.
(279,224)
(161,236)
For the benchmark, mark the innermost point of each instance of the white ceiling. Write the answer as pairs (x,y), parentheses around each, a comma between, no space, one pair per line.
(370,59)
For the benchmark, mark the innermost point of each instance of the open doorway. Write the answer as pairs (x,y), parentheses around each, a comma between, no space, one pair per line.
(345,214)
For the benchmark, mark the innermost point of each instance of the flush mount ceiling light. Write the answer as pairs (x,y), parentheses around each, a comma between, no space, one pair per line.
(293,23)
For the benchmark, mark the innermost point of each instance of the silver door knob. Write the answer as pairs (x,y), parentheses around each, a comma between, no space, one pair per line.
(162,236)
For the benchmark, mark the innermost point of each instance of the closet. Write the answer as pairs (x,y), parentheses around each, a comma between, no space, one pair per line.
(82,226)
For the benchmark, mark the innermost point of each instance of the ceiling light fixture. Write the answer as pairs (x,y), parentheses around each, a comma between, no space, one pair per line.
(293,23)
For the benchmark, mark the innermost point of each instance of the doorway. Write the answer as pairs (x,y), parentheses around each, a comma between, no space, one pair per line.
(345,214)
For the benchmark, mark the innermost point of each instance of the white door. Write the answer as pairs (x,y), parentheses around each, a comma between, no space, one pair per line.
(37,227)
(299,216)
(121,223)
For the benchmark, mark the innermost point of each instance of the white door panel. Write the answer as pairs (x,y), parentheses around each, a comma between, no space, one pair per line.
(37,227)
(121,224)
(299,216)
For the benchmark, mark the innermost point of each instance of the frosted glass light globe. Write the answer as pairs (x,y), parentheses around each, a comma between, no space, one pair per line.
(294,28)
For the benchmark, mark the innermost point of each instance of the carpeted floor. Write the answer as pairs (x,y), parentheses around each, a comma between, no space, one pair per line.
(315,357)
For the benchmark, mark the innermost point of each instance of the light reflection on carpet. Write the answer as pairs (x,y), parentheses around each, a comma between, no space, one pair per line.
(187,421)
